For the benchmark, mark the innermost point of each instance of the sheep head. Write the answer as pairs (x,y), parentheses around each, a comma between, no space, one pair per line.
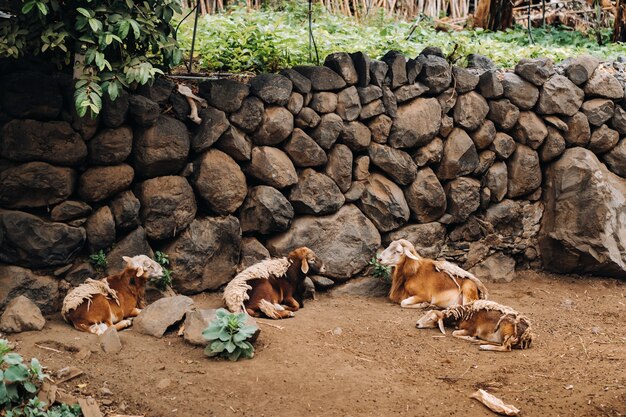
(432,319)
(395,251)
(309,262)
(145,267)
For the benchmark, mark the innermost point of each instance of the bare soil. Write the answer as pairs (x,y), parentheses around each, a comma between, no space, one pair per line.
(356,356)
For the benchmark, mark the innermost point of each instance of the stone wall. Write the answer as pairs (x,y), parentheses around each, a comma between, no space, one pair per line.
(465,162)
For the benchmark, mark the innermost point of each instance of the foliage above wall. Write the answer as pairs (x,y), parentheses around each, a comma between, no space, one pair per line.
(110,43)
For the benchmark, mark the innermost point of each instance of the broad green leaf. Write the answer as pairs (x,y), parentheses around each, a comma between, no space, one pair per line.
(30,387)
(12,359)
(16,373)
(84,12)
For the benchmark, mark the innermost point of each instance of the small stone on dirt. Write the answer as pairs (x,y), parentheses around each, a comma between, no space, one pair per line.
(110,341)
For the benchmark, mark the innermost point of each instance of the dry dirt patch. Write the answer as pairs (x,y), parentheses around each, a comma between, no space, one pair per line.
(354,356)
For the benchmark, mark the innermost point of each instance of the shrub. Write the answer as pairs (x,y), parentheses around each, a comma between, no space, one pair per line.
(166,279)
(380,271)
(98,260)
(110,43)
(228,336)
(18,381)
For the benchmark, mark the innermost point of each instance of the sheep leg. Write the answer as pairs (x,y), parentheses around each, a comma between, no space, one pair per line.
(495,348)
(464,334)
(290,304)
(253,313)
(413,302)
(135,312)
(121,325)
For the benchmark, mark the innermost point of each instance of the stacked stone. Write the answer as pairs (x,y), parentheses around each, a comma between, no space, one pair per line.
(337,157)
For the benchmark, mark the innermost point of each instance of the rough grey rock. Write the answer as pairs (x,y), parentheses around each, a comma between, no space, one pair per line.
(480,62)
(470,110)
(582,229)
(43,290)
(52,142)
(224,94)
(271,88)
(428,238)
(35,184)
(21,315)
(100,183)
(111,146)
(316,194)
(161,149)
(560,96)
(328,130)
(496,268)
(463,195)
(464,79)
(277,126)
(536,70)
(384,204)
(344,241)
(521,92)
(598,110)
(580,69)
(397,68)
(205,256)
(395,163)
(372,109)
(490,85)
(553,146)
(265,211)
(429,154)
(110,341)
(603,84)
(503,113)
(619,120)
(272,167)
(496,180)
(100,228)
(348,104)
(409,92)
(339,166)
(413,68)
(252,252)
(322,78)
(301,84)
(29,241)
(307,118)
(248,118)
(356,136)
(143,111)
(416,124)
(133,244)
(578,130)
(436,73)
(503,145)
(603,139)
(369,93)
(362,287)
(378,72)
(342,64)
(214,124)
(459,156)
(168,205)
(530,130)
(362,66)
(158,316)
(390,102)
(524,172)
(125,210)
(235,144)
(303,150)
(615,159)
(425,197)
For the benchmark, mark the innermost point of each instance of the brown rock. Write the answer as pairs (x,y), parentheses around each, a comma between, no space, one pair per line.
(384,204)
(111,146)
(339,166)
(417,123)
(316,194)
(324,102)
(553,146)
(348,104)
(100,183)
(272,167)
(470,110)
(307,118)
(530,130)
(380,127)
(503,113)
(21,315)
(598,110)
(560,96)
(603,84)
(43,290)
(496,180)
(125,210)
(603,139)
(429,154)
(463,198)
(395,163)
(356,136)
(503,145)
(161,149)
(235,144)
(615,159)
(214,124)
(303,150)
(100,228)
(277,126)
(484,135)
(328,130)
(69,210)
(265,211)
(521,93)
(425,197)
(248,118)
(524,172)
(35,184)
(459,156)
(578,130)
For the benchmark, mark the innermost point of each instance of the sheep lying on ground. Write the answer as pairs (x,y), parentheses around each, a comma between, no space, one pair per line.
(274,287)
(96,305)
(418,282)
(483,320)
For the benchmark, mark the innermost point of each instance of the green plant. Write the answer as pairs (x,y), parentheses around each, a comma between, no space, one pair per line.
(228,336)
(166,279)
(110,43)
(98,259)
(18,381)
(380,271)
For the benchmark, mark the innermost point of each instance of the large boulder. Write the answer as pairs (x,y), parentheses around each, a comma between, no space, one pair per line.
(161,149)
(459,156)
(603,139)
(521,93)
(384,203)
(578,131)
(598,110)
(328,130)
(226,95)
(100,183)
(524,172)
(29,241)
(315,193)
(339,166)
(342,64)
(356,136)
(348,104)
(133,244)
(235,144)
(530,130)
(271,88)
(397,68)
(111,146)
(425,197)
(100,228)
(416,123)
(219,181)
(205,256)
(560,96)
(272,167)
(214,124)
(35,184)
(603,84)
(344,241)
(536,70)
(397,164)
(125,210)
(463,195)
(21,315)
(53,142)
(252,252)
(436,73)
(322,78)
(155,319)
(276,127)
(470,110)
(249,117)
(43,290)
(428,238)
(304,151)
(265,210)
(168,205)
(31,95)
(584,224)
(580,69)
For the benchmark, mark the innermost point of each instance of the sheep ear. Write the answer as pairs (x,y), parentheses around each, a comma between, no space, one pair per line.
(139,271)
(440,323)
(305,266)
(127,259)
(408,253)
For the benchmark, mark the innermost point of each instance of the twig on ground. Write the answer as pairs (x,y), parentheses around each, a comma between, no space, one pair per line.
(271,325)
(48,348)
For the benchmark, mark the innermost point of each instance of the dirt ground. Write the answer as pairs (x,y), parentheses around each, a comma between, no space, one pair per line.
(355,356)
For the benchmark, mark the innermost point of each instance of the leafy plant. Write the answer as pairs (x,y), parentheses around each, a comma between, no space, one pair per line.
(98,259)
(380,271)
(166,279)
(228,336)
(110,43)
(18,381)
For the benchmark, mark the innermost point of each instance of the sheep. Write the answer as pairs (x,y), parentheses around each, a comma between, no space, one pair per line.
(418,282)
(273,287)
(485,320)
(97,305)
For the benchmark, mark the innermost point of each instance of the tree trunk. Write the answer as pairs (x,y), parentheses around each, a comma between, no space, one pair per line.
(494,14)
(619,33)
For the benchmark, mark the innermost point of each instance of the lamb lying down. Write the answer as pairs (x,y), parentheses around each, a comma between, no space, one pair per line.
(501,326)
